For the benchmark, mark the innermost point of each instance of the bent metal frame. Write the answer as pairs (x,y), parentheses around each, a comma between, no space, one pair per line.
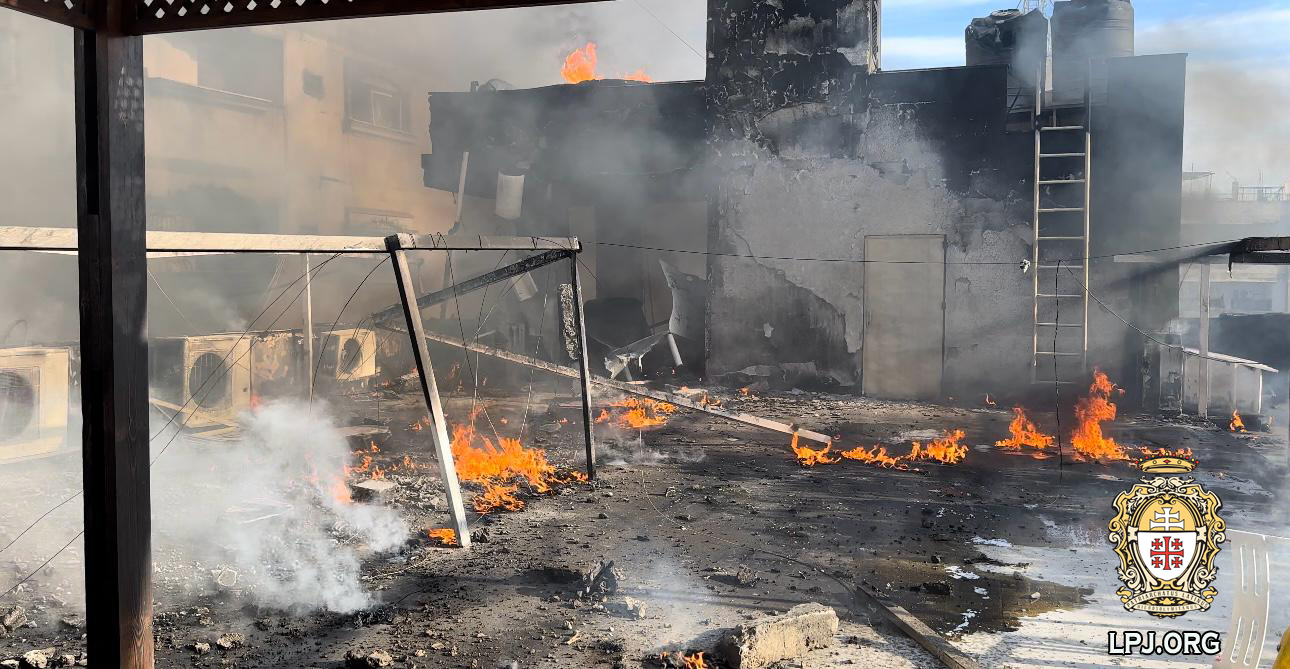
(112,273)
(164,244)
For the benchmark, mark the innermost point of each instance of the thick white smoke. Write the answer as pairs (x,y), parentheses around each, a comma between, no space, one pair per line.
(270,513)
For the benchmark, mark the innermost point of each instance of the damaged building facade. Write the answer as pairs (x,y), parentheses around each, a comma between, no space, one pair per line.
(873,230)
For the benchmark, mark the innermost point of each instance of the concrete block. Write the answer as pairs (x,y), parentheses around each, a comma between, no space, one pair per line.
(764,642)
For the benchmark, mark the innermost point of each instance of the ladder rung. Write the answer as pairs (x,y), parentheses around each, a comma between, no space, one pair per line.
(1043,182)
(1049,210)
(1050,128)
(1057,353)
(1059,238)
(1062,325)
(1058,296)
(1079,154)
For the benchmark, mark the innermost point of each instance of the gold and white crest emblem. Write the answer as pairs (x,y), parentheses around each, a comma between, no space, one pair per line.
(1166,531)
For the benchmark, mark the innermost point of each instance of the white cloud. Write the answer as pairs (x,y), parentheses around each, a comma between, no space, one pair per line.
(900,53)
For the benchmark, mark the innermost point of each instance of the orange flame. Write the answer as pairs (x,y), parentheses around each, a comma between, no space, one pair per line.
(1024,433)
(445,536)
(945,449)
(580,66)
(480,460)
(640,413)
(498,497)
(694,661)
(1091,411)
(809,457)
(1237,425)
(875,456)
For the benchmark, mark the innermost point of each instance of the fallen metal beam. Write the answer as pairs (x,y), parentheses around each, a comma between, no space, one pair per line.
(934,643)
(469,285)
(660,395)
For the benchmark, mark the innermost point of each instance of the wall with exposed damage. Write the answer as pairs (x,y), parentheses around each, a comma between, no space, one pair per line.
(815,152)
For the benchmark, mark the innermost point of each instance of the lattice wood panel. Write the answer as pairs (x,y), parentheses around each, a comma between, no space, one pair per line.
(155,16)
(67,12)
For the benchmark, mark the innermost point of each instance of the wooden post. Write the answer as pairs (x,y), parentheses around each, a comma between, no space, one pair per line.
(421,354)
(1202,397)
(584,371)
(114,348)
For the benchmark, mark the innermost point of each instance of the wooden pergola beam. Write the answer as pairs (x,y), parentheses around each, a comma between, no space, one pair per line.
(160,16)
(57,11)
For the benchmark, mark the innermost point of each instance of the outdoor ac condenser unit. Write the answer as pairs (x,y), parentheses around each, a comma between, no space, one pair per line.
(205,378)
(347,355)
(35,394)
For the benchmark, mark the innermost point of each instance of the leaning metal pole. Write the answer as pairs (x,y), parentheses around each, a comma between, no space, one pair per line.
(584,373)
(425,371)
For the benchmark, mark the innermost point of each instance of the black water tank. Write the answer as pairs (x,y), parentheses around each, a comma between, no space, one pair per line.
(1085,30)
(1008,37)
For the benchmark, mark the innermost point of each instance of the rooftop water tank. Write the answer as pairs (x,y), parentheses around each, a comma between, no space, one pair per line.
(1085,30)
(1009,37)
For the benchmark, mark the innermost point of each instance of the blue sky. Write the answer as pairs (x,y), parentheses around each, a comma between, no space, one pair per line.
(929,33)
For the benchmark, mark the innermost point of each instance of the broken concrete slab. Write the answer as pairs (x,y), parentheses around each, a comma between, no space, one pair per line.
(772,639)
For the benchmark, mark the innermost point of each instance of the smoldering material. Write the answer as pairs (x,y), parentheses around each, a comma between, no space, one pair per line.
(272,506)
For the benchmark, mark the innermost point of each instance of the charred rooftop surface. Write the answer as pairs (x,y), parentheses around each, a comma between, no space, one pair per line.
(862,348)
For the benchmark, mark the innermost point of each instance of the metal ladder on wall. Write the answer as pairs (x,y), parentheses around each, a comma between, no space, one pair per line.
(1061,232)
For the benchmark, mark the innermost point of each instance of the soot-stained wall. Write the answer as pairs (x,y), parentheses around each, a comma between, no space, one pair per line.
(812,153)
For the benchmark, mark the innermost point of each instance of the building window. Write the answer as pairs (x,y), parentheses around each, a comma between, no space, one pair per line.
(373,102)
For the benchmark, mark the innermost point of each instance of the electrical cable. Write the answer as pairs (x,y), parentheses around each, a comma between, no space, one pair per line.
(752,256)
(323,348)
(1122,319)
(669,29)
(180,411)
(177,432)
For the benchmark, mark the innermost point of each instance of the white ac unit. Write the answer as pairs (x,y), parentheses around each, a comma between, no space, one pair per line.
(207,379)
(347,355)
(35,394)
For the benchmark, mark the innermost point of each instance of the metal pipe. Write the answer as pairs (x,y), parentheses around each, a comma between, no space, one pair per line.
(309,327)
(438,431)
(584,373)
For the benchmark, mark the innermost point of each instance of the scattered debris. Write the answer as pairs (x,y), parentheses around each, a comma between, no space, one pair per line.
(231,640)
(600,582)
(355,659)
(36,659)
(201,648)
(15,618)
(372,490)
(629,607)
(763,642)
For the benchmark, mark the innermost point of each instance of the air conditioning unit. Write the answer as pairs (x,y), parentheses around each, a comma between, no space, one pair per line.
(347,355)
(35,394)
(205,378)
